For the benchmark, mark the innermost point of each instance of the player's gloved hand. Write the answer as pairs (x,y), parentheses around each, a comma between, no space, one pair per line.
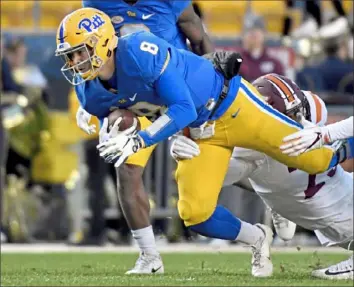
(183,148)
(104,134)
(121,146)
(205,131)
(83,119)
(310,138)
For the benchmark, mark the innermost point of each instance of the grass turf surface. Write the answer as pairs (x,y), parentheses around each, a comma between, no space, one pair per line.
(181,269)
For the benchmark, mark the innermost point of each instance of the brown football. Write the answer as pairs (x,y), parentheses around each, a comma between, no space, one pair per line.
(127,122)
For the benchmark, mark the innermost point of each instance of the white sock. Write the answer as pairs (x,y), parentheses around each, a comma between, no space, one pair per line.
(249,233)
(145,239)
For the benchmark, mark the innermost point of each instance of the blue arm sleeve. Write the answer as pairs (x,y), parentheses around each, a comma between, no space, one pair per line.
(172,88)
(345,152)
(351,147)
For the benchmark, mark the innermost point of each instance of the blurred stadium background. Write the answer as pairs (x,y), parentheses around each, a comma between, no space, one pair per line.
(56,190)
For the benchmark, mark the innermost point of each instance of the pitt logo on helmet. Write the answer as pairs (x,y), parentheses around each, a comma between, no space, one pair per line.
(92,24)
(85,40)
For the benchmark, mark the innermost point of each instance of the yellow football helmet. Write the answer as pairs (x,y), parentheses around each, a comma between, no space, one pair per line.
(85,40)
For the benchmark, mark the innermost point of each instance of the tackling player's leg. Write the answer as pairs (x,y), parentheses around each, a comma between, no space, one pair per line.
(343,270)
(134,202)
(340,233)
(284,227)
(199,183)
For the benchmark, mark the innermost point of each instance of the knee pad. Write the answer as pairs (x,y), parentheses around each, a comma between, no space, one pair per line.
(194,212)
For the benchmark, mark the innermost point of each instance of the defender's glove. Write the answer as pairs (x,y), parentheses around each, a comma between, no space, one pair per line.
(183,148)
(82,120)
(310,138)
(121,146)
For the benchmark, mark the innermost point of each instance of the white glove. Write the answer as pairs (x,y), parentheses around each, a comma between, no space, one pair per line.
(183,148)
(310,138)
(104,134)
(205,131)
(121,146)
(82,120)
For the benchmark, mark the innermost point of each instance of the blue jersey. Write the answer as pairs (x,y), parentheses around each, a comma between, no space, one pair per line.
(157,16)
(152,78)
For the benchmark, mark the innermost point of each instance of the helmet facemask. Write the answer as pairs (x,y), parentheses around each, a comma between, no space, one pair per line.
(297,107)
(87,69)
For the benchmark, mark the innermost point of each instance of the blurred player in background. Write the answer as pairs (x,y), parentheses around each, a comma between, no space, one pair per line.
(313,26)
(322,202)
(175,22)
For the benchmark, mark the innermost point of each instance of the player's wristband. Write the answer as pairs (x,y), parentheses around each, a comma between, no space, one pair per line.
(138,143)
(344,150)
(347,150)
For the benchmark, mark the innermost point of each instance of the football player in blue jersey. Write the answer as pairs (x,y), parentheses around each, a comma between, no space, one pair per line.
(177,89)
(173,21)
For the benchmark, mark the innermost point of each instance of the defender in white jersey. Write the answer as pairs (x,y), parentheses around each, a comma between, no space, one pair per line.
(322,202)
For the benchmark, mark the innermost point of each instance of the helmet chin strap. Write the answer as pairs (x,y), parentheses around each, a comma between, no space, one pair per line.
(299,116)
(300,110)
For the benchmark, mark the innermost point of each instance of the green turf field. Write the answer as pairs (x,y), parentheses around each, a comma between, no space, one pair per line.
(181,269)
